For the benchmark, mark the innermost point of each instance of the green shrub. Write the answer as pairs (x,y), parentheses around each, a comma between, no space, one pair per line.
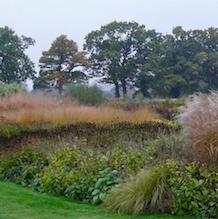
(127,161)
(147,192)
(79,188)
(195,189)
(23,168)
(59,173)
(86,95)
(10,89)
(93,186)
(85,175)
(106,179)
(71,172)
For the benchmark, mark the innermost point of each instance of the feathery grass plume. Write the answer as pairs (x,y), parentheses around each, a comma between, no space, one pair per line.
(199,118)
(147,192)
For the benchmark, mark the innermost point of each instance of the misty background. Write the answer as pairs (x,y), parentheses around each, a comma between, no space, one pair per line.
(44,20)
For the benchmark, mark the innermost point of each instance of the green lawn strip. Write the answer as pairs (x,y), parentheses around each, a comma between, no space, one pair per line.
(17,202)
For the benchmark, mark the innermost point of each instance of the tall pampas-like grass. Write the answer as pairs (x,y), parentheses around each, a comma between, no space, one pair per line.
(199,118)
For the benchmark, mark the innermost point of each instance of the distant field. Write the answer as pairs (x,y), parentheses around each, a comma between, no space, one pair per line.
(21,203)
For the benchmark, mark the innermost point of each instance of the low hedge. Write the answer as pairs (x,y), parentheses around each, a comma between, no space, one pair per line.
(92,133)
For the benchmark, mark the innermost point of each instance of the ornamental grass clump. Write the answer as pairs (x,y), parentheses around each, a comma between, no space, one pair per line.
(199,118)
(145,193)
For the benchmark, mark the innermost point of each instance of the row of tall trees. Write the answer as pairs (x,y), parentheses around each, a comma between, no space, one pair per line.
(124,54)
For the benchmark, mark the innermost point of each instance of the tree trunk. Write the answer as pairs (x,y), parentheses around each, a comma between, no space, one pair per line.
(175,92)
(60,86)
(123,82)
(60,89)
(60,82)
(117,89)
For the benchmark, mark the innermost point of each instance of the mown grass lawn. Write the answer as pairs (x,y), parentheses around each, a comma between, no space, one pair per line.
(17,202)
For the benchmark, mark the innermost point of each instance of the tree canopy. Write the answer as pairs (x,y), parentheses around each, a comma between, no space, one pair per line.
(117,51)
(183,63)
(61,64)
(15,65)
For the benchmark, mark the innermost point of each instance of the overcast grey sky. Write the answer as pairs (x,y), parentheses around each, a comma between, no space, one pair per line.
(44,20)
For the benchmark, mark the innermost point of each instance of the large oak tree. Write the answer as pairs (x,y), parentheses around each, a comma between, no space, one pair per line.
(61,64)
(117,51)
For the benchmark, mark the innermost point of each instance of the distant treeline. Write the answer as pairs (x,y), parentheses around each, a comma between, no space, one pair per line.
(125,54)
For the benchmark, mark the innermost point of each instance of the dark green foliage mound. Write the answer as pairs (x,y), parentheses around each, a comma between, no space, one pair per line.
(85,94)
(23,168)
(93,188)
(105,180)
(10,89)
